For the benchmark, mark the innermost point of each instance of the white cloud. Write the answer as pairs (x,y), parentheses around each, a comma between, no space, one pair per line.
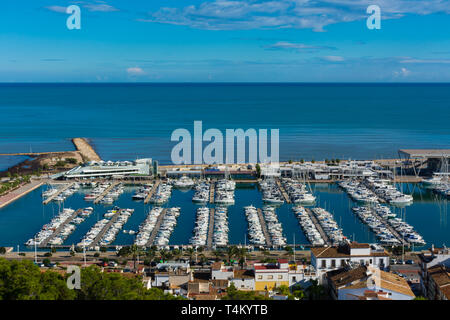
(100,7)
(403,72)
(58,9)
(333,58)
(135,71)
(311,14)
(436,61)
(297,46)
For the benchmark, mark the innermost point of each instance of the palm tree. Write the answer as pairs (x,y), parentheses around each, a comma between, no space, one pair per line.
(241,253)
(231,252)
(217,254)
(289,251)
(151,254)
(190,252)
(177,253)
(135,251)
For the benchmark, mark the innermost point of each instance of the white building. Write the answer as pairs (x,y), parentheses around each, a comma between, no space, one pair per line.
(325,259)
(104,169)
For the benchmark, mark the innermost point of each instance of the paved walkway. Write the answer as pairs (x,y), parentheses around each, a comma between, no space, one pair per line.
(19,192)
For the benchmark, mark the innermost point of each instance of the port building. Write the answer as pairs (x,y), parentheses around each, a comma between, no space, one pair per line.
(110,169)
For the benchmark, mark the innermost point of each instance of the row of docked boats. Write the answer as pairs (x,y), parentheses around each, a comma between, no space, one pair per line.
(271,193)
(183,182)
(48,230)
(225,192)
(439,183)
(69,228)
(220,234)
(63,195)
(142,192)
(162,194)
(388,192)
(112,194)
(255,231)
(358,191)
(329,225)
(202,192)
(377,225)
(298,192)
(200,232)
(97,190)
(147,226)
(168,224)
(274,226)
(309,229)
(442,188)
(111,234)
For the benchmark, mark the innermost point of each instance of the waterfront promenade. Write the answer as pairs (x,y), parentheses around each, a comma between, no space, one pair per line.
(19,192)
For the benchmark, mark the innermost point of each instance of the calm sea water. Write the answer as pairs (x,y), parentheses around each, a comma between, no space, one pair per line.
(125,121)
(22,219)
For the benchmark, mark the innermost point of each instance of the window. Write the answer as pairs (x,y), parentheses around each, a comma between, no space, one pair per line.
(381,262)
(361,261)
(259,277)
(324,263)
(370,261)
(280,277)
(270,277)
(333,263)
(294,279)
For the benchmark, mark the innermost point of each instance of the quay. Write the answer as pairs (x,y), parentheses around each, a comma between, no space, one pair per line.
(283,191)
(56,232)
(318,226)
(13,195)
(394,232)
(156,228)
(60,190)
(212,189)
(152,192)
(210,229)
(85,149)
(104,193)
(105,228)
(264,228)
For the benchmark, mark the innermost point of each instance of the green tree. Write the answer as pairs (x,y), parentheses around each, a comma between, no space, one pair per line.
(234,294)
(258,170)
(315,291)
(2,250)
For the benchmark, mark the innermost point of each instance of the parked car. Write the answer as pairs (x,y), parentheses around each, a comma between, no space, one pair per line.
(409,261)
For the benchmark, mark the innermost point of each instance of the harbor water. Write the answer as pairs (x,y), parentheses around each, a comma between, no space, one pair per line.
(22,219)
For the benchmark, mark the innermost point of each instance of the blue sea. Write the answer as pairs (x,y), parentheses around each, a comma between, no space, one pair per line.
(125,121)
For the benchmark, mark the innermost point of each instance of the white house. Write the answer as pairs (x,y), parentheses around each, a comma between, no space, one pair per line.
(325,259)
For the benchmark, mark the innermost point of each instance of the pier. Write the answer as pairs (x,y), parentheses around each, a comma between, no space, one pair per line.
(210,229)
(152,192)
(264,228)
(212,189)
(56,232)
(283,192)
(85,149)
(156,228)
(104,193)
(318,226)
(105,228)
(391,229)
(61,190)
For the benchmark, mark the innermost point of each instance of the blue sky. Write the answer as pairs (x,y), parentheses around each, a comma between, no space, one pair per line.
(224,40)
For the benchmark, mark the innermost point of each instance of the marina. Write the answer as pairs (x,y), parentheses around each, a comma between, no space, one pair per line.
(236,218)
(154,232)
(318,226)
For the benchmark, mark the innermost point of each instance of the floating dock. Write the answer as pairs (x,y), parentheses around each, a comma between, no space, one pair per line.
(210,229)
(105,228)
(391,229)
(61,190)
(56,232)
(318,226)
(264,228)
(283,191)
(104,193)
(152,192)
(212,189)
(156,228)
